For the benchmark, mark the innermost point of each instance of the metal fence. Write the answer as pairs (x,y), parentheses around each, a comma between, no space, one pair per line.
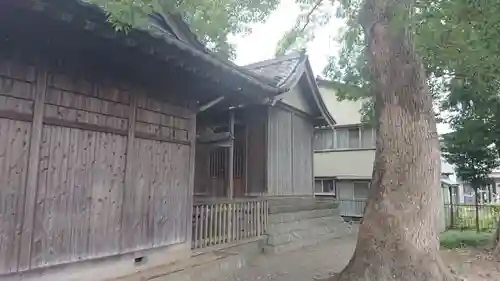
(352,208)
(483,217)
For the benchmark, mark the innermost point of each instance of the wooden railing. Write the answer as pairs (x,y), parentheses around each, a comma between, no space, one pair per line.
(216,223)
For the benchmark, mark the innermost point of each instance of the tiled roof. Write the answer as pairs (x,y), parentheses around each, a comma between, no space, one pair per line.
(164,34)
(285,72)
(282,71)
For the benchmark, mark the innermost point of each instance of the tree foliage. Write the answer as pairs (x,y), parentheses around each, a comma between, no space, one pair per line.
(473,157)
(457,40)
(211,20)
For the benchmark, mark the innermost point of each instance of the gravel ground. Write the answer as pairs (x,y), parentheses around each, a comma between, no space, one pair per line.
(300,265)
(332,256)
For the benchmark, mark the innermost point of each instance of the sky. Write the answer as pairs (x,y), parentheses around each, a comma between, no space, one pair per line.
(261,43)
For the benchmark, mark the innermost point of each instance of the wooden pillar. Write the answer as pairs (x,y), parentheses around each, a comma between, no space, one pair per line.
(127,216)
(192,164)
(32,176)
(452,212)
(230,158)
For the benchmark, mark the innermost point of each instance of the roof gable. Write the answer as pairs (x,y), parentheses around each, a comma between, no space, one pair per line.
(291,72)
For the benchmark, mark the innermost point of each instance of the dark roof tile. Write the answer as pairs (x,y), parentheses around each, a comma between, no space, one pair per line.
(282,71)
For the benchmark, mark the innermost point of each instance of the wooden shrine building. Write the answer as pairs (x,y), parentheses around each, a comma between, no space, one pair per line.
(100,151)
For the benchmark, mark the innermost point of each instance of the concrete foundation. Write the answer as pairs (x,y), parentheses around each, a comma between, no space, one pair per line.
(205,264)
(299,222)
(108,267)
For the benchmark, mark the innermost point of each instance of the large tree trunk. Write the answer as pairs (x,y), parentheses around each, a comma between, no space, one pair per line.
(398,238)
(496,239)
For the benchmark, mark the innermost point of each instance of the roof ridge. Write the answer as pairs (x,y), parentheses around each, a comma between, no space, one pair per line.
(275,60)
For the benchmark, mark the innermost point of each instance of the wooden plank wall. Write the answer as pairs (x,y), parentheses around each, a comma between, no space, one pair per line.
(290,153)
(111,170)
(256,120)
(279,162)
(302,156)
(17,93)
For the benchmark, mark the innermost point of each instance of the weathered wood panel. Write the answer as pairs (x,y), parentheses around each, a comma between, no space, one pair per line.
(279,149)
(79,196)
(290,153)
(17,86)
(161,121)
(302,156)
(12,69)
(86,105)
(16,92)
(107,193)
(256,120)
(14,150)
(161,177)
(75,208)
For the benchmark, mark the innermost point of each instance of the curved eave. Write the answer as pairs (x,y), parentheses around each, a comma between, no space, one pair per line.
(157,46)
(317,95)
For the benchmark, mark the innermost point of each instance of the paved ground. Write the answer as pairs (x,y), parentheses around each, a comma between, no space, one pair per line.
(300,265)
(332,256)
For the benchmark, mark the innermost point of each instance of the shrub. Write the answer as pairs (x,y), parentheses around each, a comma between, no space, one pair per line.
(453,239)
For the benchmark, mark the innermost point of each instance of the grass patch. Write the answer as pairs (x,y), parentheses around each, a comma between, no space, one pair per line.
(453,239)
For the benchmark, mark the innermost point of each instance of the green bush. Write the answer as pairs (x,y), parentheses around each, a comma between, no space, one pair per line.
(453,239)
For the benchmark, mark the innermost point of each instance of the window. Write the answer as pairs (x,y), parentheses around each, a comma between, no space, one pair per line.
(344,138)
(325,186)
(353,135)
(323,139)
(218,163)
(361,190)
(238,161)
(367,138)
(355,138)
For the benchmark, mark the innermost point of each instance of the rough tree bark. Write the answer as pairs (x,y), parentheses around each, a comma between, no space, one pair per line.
(496,250)
(398,237)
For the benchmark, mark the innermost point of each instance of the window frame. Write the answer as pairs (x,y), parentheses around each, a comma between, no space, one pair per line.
(333,193)
(345,131)
(367,183)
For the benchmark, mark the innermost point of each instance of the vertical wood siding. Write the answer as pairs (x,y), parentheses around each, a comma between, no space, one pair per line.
(290,153)
(17,83)
(280,152)
(302,156)
(82,206)
(256,119)
(14,150)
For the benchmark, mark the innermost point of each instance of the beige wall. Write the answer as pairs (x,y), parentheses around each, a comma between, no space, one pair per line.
(348,164)
(296,98)
(344,112)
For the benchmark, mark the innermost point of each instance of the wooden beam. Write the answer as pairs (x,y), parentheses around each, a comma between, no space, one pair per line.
(210,104)
(230,158)
(24,261)
(190,190)
(127,217)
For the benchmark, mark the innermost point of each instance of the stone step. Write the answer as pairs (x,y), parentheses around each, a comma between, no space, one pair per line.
(334,230)
(283,248)
(287,208)
(279,228)
(313,240)
(302,215)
